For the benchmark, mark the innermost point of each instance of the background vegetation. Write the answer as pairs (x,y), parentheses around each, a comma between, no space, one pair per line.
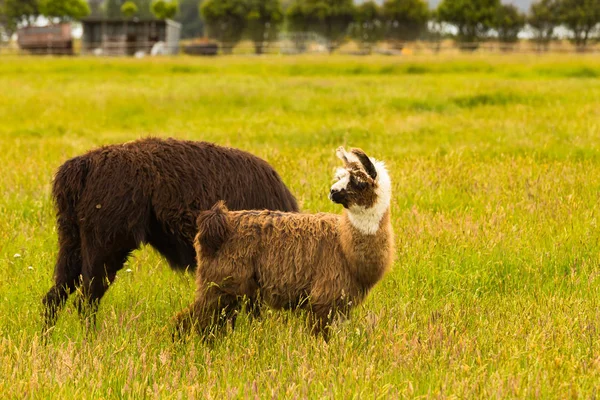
(397,21)
(496,172)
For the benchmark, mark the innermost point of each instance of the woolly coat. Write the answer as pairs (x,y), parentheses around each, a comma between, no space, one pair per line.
(286,258)
(111,200)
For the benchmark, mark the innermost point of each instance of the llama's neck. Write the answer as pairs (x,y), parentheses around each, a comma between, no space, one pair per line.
(367,220)
(366,235)
(369,255)
(367,227)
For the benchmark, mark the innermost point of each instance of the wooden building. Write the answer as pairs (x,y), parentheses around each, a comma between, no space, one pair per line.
(51,39)
(111,36)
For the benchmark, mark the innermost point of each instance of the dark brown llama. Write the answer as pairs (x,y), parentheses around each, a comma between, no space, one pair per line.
(111,200)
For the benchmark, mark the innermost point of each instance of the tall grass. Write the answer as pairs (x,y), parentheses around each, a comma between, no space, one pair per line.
(496,171)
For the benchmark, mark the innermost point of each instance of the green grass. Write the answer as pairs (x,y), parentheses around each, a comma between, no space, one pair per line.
(495,162)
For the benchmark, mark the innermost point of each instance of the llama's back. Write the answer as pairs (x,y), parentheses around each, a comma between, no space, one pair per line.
(199,174)
(187,174)
(166,183)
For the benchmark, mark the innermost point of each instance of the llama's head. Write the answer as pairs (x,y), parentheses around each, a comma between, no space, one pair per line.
(363,187)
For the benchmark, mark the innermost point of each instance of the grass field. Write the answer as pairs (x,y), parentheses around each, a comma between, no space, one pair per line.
(495,162)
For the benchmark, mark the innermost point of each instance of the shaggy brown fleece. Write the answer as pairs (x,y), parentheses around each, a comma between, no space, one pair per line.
(324,263)
(113,199)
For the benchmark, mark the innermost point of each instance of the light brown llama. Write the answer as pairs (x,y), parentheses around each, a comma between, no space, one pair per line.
(324,263)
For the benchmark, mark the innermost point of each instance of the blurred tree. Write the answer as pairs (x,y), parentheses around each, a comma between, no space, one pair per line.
(368,26)
(472,18)
(263,20)
(405,19)
(189,17)
(129,9)
(163,9)
(225,21)
(296,17)
(145,8)
(17,12)
(7,27)
(64,10)
(508,22)
(581,17)
(330,19)
(544,16)
(112,8)
(96,7)
(297,23)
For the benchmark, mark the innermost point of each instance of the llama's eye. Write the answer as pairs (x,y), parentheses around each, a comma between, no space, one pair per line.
(359,184)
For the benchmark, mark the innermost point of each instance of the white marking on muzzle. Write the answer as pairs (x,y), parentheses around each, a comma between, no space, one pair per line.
(343,177)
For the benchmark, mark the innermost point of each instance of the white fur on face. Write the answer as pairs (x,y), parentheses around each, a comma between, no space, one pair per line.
(367,220)
(343,179)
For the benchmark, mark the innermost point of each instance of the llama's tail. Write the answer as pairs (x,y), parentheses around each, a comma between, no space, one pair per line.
(67,187)
(213,229)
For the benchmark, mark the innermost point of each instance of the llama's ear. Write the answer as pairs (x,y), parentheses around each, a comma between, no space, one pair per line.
(366,162)
(342,155)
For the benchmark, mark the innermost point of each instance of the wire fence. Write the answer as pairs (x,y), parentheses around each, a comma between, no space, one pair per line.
(287,45)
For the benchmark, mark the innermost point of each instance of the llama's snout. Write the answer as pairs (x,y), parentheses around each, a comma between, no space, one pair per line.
(338,196)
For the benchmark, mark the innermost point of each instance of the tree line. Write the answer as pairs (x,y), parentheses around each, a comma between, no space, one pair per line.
(15,13)
(398,21)
(395,21)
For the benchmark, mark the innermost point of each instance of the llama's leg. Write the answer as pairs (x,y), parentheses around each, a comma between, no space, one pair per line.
(225,310)
(66,277)
(184,322)
(99,271)
(221,286)
(211,310)
(93,287)
(67,270)
(247,295)
(115,263)
(320,317)
(253,307)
